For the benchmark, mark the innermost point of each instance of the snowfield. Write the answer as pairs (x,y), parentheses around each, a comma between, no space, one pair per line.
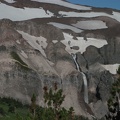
(38,43)
(65,4)
(90,24)
(111,68)
(18,14)
(115,15)
(69,42)
(64,26)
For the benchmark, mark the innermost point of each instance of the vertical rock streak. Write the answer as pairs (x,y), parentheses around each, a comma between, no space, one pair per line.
(84,79)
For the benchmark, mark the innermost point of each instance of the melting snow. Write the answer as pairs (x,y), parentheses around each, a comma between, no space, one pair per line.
(65,4)
(23,54)
(83,44)
(17,14)
(111,68)
(90,24)
(38,43)
(64,26)
(10,1)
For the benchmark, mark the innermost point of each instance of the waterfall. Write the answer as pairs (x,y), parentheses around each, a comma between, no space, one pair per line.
(74,58)
(84,79)
(85,88)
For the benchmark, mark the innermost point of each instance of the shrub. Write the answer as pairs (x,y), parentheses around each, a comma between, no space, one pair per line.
(80,118)
(2,112)
(11,109)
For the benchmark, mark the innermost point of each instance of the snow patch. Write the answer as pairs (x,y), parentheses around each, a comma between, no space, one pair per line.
(10,1)
(112,68)
(18,14)
(23,54)
(116,16)
(17,41)
(64,26)
(69,42)
(65,4)
(54,41)
(33,41)
(90,24)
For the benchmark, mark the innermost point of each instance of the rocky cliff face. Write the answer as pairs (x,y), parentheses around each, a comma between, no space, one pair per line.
(36,51)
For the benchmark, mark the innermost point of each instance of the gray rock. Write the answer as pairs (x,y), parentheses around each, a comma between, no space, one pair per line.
(75,38)
(19,84)
(57,52)
(81,61)
(8,34)
(111,52)
(75,79)
(92,56)
(45,30)
(7,23)
(99,109)
(75,47)
(100,83)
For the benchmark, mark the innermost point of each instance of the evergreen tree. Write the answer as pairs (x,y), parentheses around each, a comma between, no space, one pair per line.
(33,105)
(53,100)
(113,102)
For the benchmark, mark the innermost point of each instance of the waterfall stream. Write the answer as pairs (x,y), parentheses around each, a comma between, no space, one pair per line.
(84,79)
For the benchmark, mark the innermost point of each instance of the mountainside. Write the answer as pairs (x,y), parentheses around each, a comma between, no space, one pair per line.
(43,42)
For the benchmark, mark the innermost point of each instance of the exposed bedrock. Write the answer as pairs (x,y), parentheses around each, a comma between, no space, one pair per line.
(99,85)
(20,84)
(45,30)
(57,52)
(92,56)
(111,52)
(81,61)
